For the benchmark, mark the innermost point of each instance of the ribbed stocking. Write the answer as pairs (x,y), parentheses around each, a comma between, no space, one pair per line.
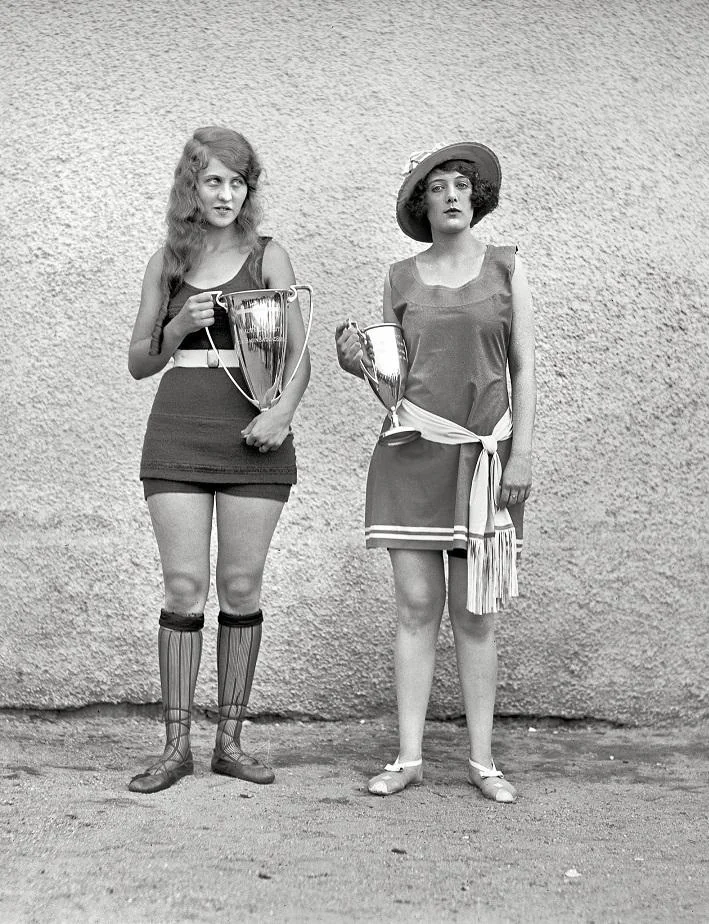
(238,642)
(179,650)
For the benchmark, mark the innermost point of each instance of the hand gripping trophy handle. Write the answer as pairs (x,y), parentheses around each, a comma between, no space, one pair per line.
(259,323)
(384,346)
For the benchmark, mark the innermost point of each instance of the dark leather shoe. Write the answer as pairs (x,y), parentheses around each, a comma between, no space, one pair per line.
(245,768)
(156,780)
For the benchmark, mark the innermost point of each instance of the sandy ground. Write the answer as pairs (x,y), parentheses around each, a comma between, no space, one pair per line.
(626,809)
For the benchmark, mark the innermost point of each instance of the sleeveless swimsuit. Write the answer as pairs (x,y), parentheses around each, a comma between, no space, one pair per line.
(194,428)
(457,341)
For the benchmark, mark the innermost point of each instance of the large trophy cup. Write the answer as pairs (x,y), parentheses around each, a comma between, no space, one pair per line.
(259,324)
(385,348)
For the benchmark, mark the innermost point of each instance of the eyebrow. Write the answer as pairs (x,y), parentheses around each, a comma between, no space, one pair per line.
(220,176)
(442,179)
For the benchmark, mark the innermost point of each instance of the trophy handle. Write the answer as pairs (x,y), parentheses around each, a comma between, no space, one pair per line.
(292,295)
(368,377)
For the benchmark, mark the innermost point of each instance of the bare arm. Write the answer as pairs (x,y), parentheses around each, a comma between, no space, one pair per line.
(270,428)
(517,476)
(197,312)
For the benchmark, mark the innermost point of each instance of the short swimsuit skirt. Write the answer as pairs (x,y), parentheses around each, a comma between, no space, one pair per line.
(457,341)
(194,428)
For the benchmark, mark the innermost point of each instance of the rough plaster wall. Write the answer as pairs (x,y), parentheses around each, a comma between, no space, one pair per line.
(598,113)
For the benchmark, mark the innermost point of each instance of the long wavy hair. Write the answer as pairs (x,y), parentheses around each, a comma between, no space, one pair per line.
(186,231)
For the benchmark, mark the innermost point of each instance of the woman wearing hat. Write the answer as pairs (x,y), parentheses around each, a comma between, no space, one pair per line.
(459,491)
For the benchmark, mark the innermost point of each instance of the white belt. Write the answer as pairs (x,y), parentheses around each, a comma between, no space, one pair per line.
(200,359)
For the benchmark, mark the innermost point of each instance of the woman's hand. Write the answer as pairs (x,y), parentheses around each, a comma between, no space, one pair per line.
(516,484)
(349,348)
(195,314)
(267,431)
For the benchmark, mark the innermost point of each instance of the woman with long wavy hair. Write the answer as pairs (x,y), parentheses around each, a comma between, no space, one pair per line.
(207,447)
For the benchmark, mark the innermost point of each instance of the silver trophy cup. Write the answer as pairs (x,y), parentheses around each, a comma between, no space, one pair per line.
(384,345)
(259,324)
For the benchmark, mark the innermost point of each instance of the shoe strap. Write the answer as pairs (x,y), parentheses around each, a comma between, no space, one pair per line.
(485,772)
(398,765)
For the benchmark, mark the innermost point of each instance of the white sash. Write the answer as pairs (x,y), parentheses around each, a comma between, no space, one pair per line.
(492,544)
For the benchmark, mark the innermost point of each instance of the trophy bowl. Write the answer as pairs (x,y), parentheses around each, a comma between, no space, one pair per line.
(385,347)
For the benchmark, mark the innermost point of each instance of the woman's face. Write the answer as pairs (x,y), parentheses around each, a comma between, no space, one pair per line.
(448,195)
(222,193)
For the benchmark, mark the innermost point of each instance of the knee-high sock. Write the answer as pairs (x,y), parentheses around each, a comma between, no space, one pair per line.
(238,642)
(180,650)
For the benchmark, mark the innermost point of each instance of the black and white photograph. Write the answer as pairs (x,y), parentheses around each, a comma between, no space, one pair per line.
(355,452)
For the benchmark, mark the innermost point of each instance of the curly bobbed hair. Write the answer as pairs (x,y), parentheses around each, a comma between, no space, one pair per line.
(484,196)
(186,228)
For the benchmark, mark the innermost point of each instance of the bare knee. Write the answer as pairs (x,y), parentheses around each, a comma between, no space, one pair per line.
(478,628)
(238,591)
(420,586)
(185,592)
(419,609)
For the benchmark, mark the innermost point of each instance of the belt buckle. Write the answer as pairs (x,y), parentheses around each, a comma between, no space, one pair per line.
(212,359)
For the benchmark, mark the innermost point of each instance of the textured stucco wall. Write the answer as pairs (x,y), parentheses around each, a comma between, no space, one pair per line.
(598,113)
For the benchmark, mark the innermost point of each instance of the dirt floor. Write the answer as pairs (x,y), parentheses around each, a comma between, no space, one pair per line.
(610,826)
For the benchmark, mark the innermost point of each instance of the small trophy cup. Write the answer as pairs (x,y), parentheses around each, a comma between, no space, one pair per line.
(384,345)
(259,324)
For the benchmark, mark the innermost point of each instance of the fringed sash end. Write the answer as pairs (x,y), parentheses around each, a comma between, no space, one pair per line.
(492,571)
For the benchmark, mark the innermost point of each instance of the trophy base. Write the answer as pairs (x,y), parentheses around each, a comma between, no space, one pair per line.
(397,436)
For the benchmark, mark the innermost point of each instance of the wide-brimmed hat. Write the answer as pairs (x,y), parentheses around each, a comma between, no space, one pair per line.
(421,164)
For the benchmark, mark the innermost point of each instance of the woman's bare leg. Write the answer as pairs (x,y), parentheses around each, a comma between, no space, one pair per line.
(245,527)
(476,653)
(182,524)
(419,583)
